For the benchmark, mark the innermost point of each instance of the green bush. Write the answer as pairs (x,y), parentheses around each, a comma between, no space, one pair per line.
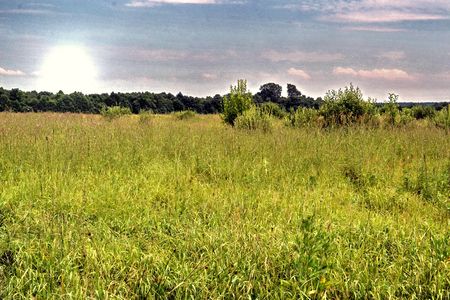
(423,112)
(273,110)
(303,117)
(254,119)
(237,102)
(344,107)
(185,115)
(406,116)
(115,112)
(442,118)
(391,110)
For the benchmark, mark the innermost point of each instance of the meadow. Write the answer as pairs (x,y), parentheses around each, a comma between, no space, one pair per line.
(156,206)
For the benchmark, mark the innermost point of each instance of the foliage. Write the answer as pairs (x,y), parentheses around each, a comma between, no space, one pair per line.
(115,112)
(253,119)
(392,110)
(273,110)
(303,117)
(423,112)
(162,103)
(345,107)
(269,92)
(16,100)
(442,118)
(237,102)
(295,99)
(404,117)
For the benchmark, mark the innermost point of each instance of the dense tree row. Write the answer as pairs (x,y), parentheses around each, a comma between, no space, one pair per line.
(20,101)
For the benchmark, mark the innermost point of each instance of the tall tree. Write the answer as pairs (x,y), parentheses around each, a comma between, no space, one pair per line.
(271,92)
(292,92)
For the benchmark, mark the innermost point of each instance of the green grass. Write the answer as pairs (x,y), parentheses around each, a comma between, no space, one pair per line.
(124,209)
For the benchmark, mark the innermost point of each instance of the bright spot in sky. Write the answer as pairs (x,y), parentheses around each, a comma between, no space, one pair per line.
(68,68)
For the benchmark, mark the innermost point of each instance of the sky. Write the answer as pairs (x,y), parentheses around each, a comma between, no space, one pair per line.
(201,47)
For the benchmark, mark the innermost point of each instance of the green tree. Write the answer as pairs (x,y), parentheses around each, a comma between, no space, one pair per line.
(237,102)
(391,108)
(271,92)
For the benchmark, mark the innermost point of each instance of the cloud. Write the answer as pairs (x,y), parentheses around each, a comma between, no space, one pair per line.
(165,55)
(6,72)
(392,55)
(299,73)
(299,56)
(384,16)
(374,29)
(375,11)
(25,11)
(152,3)
(209,76)
(385,74)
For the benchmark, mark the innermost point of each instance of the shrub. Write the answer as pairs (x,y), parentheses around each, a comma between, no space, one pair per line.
(303,117)
(273,110)
(442,118)
(391,109)
(344,107)
(253,119)
(185,115)
(115,112)
(423,112)
(237,102)
(406,116)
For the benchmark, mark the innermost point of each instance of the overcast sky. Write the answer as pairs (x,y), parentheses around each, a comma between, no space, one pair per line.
(200,47)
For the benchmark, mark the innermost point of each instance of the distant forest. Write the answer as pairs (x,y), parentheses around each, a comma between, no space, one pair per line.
(15,100)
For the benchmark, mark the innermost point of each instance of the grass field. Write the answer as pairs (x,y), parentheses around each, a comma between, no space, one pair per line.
(158,207)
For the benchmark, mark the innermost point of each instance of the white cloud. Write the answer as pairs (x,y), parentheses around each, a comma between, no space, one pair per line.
(209,76)
(6,72)
(299,73)
(384,16)
(299,56)
(385,74)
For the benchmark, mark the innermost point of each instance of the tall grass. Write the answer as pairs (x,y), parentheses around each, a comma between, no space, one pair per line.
(195,209)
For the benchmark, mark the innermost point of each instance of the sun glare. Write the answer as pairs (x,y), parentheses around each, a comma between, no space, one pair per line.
(68,68)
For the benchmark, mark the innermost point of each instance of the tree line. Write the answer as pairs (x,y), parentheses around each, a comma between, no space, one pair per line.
(16,100)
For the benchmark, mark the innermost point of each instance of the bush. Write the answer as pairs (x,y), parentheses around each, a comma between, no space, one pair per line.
(406,116)
(273,110)
(185,115)
(442,118)
(115,112)
(303,117)
(344,107)
(423,112)
(391,110)
(253,119)
(237,102)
